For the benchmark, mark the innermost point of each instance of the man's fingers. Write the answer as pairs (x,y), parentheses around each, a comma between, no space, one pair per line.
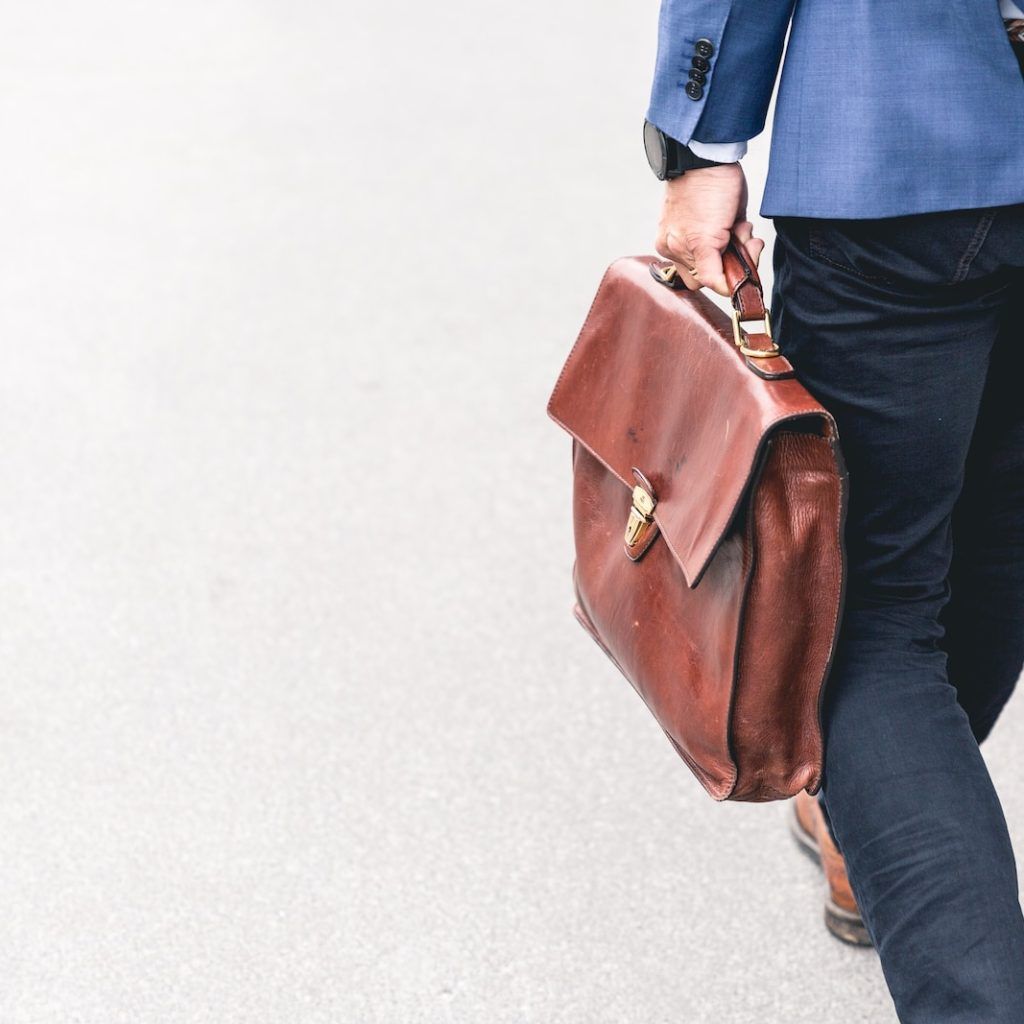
(743,228)
(700,263)
(753,247)
(672,247)
(709,267)
(691,282)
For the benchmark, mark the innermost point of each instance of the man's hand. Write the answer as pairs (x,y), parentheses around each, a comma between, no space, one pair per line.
(702,208)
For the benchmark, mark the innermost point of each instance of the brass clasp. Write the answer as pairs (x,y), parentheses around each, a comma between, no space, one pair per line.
(640,514)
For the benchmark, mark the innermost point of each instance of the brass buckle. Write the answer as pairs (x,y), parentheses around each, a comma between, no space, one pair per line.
(665,274)
(668,276)
(739,335)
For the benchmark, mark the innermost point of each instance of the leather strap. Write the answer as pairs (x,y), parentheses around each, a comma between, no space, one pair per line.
(744,284)
(748,301)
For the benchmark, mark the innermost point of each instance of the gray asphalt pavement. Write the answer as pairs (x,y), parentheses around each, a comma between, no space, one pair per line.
(296,723)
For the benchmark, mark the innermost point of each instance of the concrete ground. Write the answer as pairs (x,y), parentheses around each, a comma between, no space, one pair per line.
(296,723)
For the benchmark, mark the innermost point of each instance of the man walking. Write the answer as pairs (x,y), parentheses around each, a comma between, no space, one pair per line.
(896,184)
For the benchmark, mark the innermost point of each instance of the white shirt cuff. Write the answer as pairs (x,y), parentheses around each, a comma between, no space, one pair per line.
(1007,9)
(723,152)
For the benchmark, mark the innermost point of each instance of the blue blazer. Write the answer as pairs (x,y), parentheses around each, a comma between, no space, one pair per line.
(885,107)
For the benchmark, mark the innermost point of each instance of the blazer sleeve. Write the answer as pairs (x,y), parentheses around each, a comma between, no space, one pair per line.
(730,105)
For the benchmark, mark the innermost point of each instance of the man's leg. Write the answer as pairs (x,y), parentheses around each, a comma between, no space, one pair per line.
(984,619)
(886,326)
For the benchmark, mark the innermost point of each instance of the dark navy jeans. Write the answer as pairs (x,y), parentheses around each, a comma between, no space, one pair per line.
(911,331)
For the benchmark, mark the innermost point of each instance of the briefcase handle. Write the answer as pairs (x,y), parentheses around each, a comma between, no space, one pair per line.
(747,303)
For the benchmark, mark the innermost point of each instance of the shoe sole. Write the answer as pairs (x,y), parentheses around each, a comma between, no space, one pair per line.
(845,926)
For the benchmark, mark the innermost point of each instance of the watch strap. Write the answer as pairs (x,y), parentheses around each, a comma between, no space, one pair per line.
(682,159)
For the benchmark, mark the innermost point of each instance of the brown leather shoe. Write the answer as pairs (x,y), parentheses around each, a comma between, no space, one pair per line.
(842,918)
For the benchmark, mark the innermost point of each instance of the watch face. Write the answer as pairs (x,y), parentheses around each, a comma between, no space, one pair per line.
(657,151)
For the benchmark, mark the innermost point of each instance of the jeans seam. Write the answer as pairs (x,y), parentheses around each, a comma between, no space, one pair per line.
(973,246)
(817,251)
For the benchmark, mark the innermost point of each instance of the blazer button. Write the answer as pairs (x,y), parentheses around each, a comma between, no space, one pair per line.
(694,91)
(698,76)
(699,62)
(704,47)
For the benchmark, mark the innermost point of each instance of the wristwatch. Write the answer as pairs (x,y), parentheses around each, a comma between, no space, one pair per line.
(668,157)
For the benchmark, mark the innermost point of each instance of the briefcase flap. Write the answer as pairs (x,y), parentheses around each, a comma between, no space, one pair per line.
(655,381)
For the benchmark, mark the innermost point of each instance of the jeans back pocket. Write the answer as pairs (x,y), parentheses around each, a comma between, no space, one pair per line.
(913,250)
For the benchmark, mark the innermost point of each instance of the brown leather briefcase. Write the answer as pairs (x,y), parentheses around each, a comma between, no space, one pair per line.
(709,497)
